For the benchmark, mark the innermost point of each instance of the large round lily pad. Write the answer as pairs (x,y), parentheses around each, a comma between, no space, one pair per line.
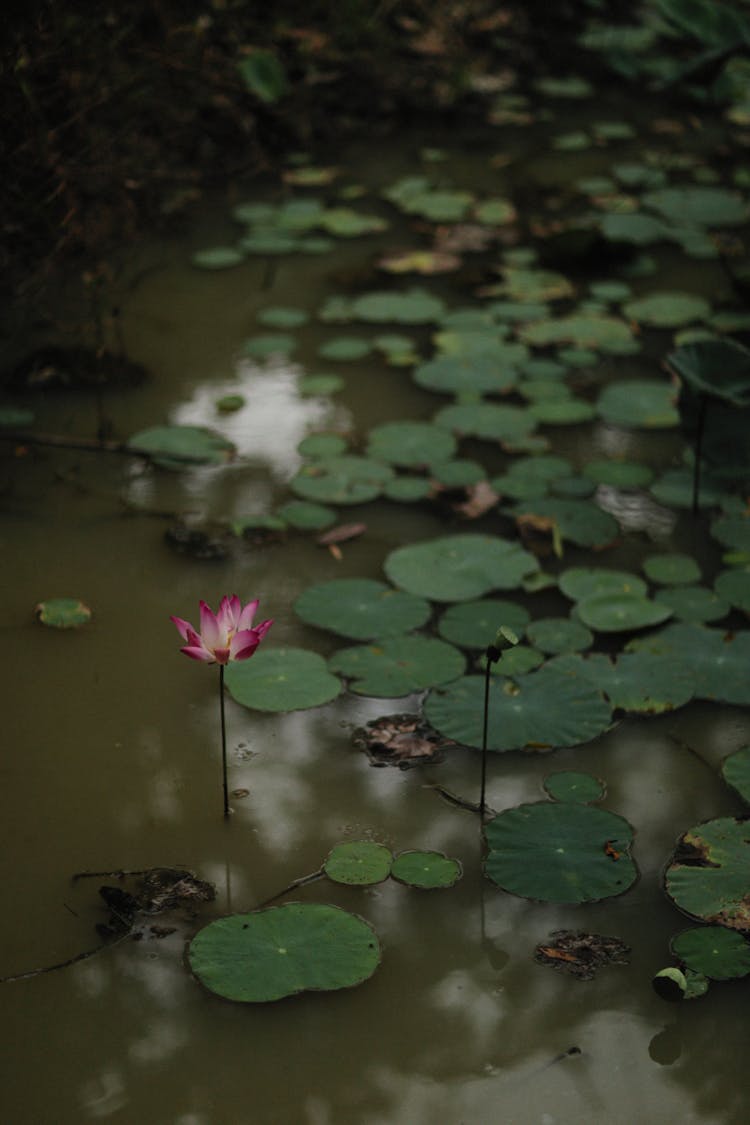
(636,682)
(619,613)
(542,709)
(461,374)
(707,876)
(410,444)
(714,951)
(560,852)
(342,480)
(359,863)
(698,205)
(694,603)
(638,403)
(578,582)
(475,624)
(459,567)
(671,569)
(361,608)
(281,679)
(286,949)
(509,425)
(426,870)
(718,660)
(559,634)
(398,665)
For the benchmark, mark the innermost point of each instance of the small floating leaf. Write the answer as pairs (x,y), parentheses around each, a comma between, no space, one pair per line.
(218,258)
(618,613)
(347,479)
(573,787)
(177,446)
(286,949)
(559,634)
(410,444)
(426,870)
(671,570)
(359,863)
(714,951)
(63,613)
(638,403)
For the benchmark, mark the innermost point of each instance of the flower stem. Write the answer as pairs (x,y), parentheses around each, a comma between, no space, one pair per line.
(223,740)
(487,670)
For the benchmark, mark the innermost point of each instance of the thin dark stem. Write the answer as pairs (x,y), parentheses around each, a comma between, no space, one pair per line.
(223,740)
(487,672)
(697,453)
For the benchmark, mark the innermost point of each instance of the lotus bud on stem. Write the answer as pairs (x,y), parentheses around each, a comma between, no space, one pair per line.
(505,638)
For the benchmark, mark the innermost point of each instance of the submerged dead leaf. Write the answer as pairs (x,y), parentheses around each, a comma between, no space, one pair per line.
(400,740)
(581,954)
(341,533)
(480,499)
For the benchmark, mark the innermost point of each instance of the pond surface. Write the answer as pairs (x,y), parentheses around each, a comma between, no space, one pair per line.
(112,751)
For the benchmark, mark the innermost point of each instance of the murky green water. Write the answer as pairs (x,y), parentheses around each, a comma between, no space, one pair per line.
(111,761)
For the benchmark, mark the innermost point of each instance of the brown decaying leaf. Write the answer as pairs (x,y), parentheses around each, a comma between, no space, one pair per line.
(480,499)
(400,740)
(341,533)
(581,954)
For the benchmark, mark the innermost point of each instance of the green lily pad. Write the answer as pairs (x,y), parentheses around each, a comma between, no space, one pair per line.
(734,587)
(562,412)
(694,603)
(457,473)
(509,425)
(260,347)
(407,489)
(495,212)
(578,521)
(707,875)
(671,570)
(281,679)
(413,306)
(518,661)
(218,258)
(322,445)
(718,368)
(63,613)
(278,952)
(320,384)
(675,489)
(699,206)
(438,206)
(410,444)
(459,567)
(714,951)
(283,317)
(574,788)
(579,582)
(461,375)
(718,660)
(475,624)
(573,488)
(634,227)
(361,608)
(560,852)
(359,863)
(342,480)
(178,446)
(646,403)
(620,613)
(344,222)
(637,682)
(735,769)
(554,635)
(426,870)
(600,333)
(306,516)
(672,984)
(397,665)
(619,474)
(667,310)
(544,708)
(15,416)
(345,348)
(228,404)
(264,75)
(522,284)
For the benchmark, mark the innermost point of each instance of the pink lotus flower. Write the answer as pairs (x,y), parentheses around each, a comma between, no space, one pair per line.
(224,636)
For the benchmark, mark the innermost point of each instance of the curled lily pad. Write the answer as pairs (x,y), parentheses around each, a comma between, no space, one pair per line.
(342,480)
(576,788)
(281,679)
(459,567)
(544,708)
(410,444)
(359,863)
(673,984)
(361,608)
(286,949)
(474,624)
(707,875)
(736,772)
(714,951)
(637,403)
(560,852)
(426,870)
(397,665)
(63,613)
